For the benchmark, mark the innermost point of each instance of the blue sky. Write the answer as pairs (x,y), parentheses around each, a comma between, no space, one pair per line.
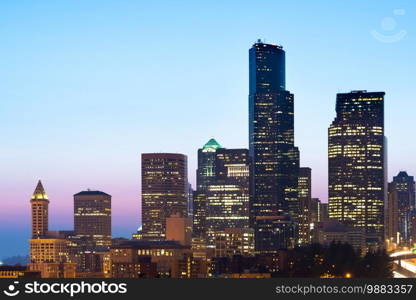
(86,86)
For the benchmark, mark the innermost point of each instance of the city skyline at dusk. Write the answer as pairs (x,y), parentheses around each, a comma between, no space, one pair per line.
(83,100)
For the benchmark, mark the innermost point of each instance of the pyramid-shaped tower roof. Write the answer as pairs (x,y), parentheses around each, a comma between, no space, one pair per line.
(211,146)
(402,174)
(39,193)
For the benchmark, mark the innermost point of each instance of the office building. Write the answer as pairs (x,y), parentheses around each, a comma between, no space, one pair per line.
(205,175)
(164,192)
(161,259)
(92,219)
(356,163)
(234,241)
(401,203)
(227,196)
(275,159)
(51,258)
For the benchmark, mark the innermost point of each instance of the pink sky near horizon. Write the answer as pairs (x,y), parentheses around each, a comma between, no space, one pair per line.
(125,194)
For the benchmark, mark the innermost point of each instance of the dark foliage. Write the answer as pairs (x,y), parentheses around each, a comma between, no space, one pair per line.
(336,260)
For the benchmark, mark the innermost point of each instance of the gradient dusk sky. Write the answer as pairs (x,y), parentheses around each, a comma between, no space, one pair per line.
(88,85)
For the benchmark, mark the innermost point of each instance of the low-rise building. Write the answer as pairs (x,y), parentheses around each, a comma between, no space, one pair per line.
(17,272)
(51,258)
(335,231)
(170,258)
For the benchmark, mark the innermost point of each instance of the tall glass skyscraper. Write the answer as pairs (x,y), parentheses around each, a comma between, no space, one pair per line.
(227,198)
(275,166)
(356,163)
(205,175)
(164,192)
(222,197)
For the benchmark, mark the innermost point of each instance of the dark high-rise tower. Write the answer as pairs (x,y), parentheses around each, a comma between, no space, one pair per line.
(205,175)
(164,192)
(401,203)
(271,136)
(222,197)
(356,163)
(40,209)
(92,219)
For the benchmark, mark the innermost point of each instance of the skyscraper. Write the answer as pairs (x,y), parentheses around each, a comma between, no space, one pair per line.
(205,175)
(305,196)
(275,159)
(227,196)
(40,210)
(401,203)
(222,197)
(164,191)
(356,163)
(92,219)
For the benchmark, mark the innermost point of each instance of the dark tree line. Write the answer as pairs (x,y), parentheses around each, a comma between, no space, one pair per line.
(335,260)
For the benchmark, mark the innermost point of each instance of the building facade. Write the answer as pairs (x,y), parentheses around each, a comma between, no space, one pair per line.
(17,272)
(92,219)
(161,259)
(356,163)
(49,253)
(275,159)
(305,197)
(335,231)
(401,203)
(179,228)
(164,192)
(323,212)
(227,196)
(51,258)
(40,212)
(234,241)
(205,175)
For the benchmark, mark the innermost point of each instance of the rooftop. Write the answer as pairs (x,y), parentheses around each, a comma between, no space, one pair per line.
(140,244)
(39,193)
(12,268)
(88,192)
(211,146)
(263,43)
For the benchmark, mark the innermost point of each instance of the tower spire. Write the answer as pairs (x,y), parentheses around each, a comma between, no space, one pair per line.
(39,192)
